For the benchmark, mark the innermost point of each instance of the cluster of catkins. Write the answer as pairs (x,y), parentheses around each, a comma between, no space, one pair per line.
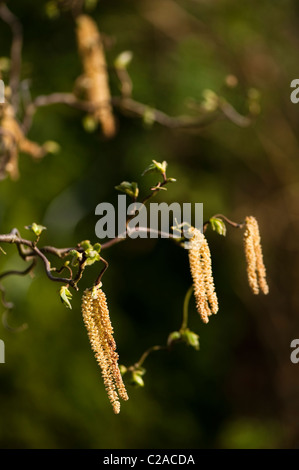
(96,314)
(201,268)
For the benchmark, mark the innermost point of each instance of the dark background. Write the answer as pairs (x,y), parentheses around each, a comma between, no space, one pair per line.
(241,389)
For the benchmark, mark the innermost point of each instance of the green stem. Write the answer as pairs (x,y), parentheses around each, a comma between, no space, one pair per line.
(144,356)
(186,308)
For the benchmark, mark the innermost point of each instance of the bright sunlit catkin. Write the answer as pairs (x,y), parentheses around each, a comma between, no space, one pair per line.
(97,321)
(201,272)
(256,270)
(95,72)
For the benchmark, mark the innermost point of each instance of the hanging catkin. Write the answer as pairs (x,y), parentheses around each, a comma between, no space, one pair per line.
(201,272)
(93,59)
(13,141)
(256,271)
(97,321)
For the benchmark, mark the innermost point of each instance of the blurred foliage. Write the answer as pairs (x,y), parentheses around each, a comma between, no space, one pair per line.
(240,389)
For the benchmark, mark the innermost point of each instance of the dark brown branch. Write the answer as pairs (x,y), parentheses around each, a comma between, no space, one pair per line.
(230,222)
(99,278)
(134,108)
(15,239)
(118,239)
(233,115)
(7,305)
(13,272)
(59,252)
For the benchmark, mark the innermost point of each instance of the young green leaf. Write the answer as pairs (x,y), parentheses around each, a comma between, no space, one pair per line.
(65,296)
(131,189)
(51,147)
(174,336)
(97,247)
(89,123)
(148,116)
(218,225)
(36,229)
(86,245)
(136,377)
(123,370)
(156,166)
(76,257)
(123,60)
(190,338)
(91,257)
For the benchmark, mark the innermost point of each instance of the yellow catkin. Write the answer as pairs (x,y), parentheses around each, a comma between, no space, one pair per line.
(201,272)
(93,59)
(14,140)
(256,271)
(100,331)
(206,263)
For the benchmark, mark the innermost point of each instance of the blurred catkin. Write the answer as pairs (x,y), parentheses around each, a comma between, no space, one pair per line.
(256,270)
(97,321)
(93,59)
(13,141)
(201,272)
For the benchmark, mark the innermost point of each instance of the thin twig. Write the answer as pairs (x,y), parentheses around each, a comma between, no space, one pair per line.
(13,329)
(13,238)
(99,278)
(146,354)
(230,222)
(14,272)
(186,308)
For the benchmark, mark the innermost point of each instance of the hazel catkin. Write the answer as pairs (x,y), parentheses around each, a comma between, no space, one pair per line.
(100,332)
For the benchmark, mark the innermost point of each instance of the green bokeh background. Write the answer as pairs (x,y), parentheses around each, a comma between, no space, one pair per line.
(241,389)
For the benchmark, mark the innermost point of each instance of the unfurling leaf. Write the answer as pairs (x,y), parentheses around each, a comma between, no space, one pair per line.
(156,166)
(190,338)
(137,380)
(86,245)
(89,123)
(76,257)
(91,256)
(211,100)
(136,377)
(131,189)
(218,225)
(123,60)
(51,147)
(174,336)
(97,247)
(52,10)
(36,229)
(148,116)
(65,296)
(123,370)
(4,64)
